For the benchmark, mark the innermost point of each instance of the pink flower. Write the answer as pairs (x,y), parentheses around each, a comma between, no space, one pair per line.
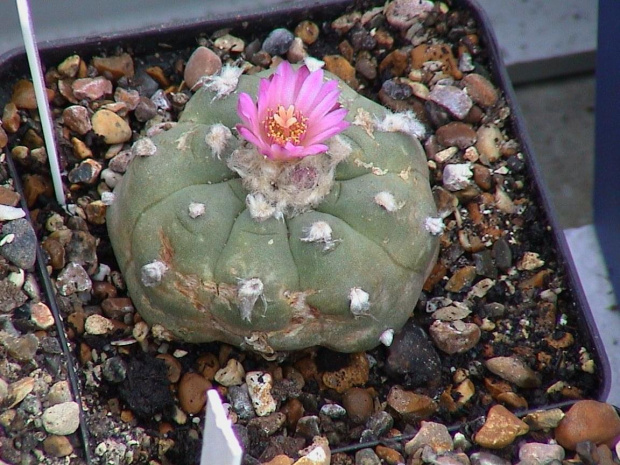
(295,112)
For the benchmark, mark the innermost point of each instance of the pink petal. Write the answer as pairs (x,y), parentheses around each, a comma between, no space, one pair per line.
(246,108)
(307,94)
(248,135)
(320,107)
(331,125)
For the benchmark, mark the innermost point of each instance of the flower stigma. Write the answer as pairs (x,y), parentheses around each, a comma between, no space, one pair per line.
(285,125)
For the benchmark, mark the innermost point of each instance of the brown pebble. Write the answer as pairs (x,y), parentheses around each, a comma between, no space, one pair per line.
(358,403)
(86,172)
(117,307)
(23,96)
(202,62)
(208,364)
(80,149)
(280,460)
(436,52)
(500,429)
(294,410)
(129,97)
(41,316)
(70,66)
(91,88)
(111,127)
(77,119)
(513,370)
(395,63)
(480,90)
(482,177)
(342,68)
(158,75)
(193,392)
(435,435)
(389,455)
(11,120)
(462,278)
(115,67)
(307,31)
(36,185)
(457,134)
(588,420)
(8,197)
(366,65)
(354,374)
(57,446)
(454,337)
(173,367)
(95,212)
(544,420)
(267,425)
(489,143)
(402,14)
(409,405)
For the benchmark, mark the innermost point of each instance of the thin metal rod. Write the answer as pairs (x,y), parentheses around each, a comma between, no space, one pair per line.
(40,92)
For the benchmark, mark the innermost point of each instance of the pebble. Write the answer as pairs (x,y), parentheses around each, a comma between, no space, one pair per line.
(430,434)
(21,348)
(413,353)
(544,420)
(111,127)
(76,118)
(58,393)
(296,52)
(489,143)
(500,429)
(269,424)
(536,453)
(115,66)
(513,370)
(70,66)
(409,405)
(366,457)
(308,426)
(91,88)
(503,254)
(121,161)
(11,120)
(23,96)
(241,403)
(57,446)
(192,392)
(22,250)
(456,176)
(339,66)
(389,455)
(41,315)
(318,453)
(98,325)
(8,213)
(232,374)
(145,110)
(402,14)
(229,43)
(480,89)
(358,403)
(396,90)
(588,420)
(307,31)
(354,374)
(18,390)
(456,133)
(202,62)
(278,41)
(333,411)
(279,460)
(487,458)
(73,279)
(61,419)
(129,97)
(455,337)
(462,278)
(8,197)
(437,53)
(380,423)
(366,65)
(259,387)
(453,99)
(86,172)
(143,147)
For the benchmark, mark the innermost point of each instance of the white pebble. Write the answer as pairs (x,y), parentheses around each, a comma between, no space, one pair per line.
(108,198)
(456,176)
(387,337)
(97,325)
(62,419)
(313,64)
(8,213)
(259,387)
(144,148)
(231,375)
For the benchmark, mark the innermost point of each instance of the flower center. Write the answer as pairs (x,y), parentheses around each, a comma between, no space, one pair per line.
(285,125)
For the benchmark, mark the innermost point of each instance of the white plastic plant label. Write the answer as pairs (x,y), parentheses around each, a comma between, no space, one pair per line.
(219,444)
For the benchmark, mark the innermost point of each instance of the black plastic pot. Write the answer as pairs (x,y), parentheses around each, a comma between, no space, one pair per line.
(147,40)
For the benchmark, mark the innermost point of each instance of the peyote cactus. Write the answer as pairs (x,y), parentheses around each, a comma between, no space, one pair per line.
(270,244)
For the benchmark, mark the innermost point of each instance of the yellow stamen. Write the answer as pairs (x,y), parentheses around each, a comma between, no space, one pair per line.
(285,125)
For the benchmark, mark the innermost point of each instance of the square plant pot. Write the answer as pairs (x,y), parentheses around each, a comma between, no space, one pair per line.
(521,292)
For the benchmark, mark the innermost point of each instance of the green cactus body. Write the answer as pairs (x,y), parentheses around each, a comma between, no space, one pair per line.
(337,274)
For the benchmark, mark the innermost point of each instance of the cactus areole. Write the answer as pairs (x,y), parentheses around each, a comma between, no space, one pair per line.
(283,212)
